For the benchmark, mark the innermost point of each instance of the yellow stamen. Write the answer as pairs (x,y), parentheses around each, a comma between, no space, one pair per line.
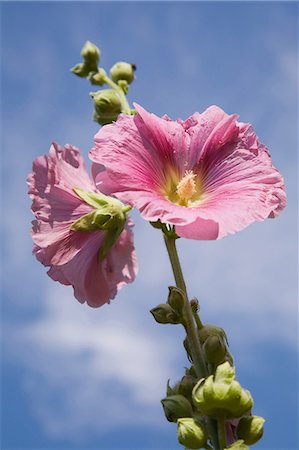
(186,188)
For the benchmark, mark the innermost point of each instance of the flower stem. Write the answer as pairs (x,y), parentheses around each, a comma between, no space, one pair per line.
(221,432)
(190,327)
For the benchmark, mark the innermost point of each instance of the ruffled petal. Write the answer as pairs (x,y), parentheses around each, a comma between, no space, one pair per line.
(97,282)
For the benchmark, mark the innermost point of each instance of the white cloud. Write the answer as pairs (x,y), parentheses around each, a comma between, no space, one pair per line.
(92,369)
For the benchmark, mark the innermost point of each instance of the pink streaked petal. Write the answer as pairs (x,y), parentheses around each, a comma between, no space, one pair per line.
(97,282)
(165,140)
(70,167)
(121,141)
(121,269)
(61,244)
(200,229)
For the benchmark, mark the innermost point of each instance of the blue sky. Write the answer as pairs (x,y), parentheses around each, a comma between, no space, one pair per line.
(79,378)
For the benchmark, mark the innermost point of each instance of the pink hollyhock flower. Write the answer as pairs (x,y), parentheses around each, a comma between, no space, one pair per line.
(73,256)
(208,175)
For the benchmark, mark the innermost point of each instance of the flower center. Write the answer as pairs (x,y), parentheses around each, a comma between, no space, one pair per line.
(186,188)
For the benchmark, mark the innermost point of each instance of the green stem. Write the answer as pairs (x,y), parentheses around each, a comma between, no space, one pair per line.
(221,432)
(191,330)
(124,102)
(190,327)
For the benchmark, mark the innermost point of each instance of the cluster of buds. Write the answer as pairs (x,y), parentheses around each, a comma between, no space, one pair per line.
(171,311)
(108,103)
(193,401)
(190,402)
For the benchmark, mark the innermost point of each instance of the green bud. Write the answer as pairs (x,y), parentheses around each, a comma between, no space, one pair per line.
(107,105)
(91,55)
(176,299)
(122,71)
(98,78)
(109,215)
(186,385)
(210,330)
(163,313)
(214,349)
(81,70)
(175,407)
(221,395)
(251,429)
(191,433)
(238,445)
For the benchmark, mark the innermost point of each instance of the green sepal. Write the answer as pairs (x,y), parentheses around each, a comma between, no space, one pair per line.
(92,221)
(109,215)
(96,199)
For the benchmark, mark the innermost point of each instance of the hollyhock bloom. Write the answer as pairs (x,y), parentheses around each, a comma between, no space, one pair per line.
(74,256)
(208,175)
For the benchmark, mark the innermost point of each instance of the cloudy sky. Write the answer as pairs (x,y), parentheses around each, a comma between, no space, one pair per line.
(79,378)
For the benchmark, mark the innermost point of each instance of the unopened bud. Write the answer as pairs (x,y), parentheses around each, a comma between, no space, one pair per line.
(191,434)
(186,385)
(214,349)
(221,395)
(175,407)
(107,104)
(122,71)
(251,429)
(98,78)
(91,55)
(163,313)
(176,299)
(81,70)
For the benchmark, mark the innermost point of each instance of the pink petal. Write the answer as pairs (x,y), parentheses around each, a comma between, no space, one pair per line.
(97,282)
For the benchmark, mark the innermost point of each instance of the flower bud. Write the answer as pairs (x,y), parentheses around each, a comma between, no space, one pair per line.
(210,330)
(107,105)
(251,429)
(220,394)
(175,407)
(122,71)
(98,78)
(81,70)
(91,55)
(163,313)
(215,344)
(176,299)
(186,385)
(191,433)
(214,349)
(238,445)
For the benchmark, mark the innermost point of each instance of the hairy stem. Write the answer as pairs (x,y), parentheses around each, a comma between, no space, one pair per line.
(190,326)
